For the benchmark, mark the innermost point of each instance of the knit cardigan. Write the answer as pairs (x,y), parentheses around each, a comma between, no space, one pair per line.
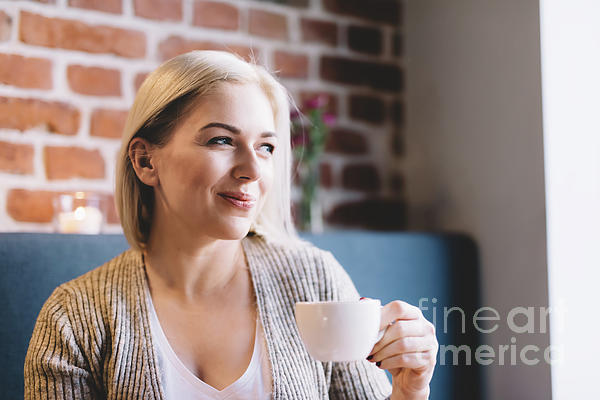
(92,338)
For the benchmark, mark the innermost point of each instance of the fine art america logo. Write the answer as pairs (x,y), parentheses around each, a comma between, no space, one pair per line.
(487,320)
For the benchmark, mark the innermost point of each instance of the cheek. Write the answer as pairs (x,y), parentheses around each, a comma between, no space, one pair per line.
(205,171)
(265,185)
(267,178)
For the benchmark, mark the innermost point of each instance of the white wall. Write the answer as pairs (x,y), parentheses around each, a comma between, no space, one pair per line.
(474,161)
(571,97)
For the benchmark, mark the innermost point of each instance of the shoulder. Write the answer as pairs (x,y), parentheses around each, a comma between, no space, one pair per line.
(114,272)
(297,254)
(96,292)
(301,263)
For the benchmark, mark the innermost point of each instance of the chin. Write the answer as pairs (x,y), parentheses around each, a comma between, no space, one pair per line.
(233,231)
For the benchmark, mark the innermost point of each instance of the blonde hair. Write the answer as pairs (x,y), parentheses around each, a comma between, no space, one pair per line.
(163,100)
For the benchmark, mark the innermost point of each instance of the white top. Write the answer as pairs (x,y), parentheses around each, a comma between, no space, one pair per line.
(179,383)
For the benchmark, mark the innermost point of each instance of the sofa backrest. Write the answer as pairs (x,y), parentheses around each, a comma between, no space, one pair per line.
(387,266)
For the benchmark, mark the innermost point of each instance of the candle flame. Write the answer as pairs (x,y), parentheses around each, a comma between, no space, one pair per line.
(79,213)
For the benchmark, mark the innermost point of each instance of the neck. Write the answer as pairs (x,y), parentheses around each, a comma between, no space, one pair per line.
(192,269)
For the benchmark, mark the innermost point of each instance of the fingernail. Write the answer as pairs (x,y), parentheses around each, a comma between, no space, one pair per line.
(370,358)
(362,298)
(378,363)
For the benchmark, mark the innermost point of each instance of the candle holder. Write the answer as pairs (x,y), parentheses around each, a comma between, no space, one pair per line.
(79,212)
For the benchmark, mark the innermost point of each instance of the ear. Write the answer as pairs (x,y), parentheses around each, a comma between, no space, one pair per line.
(141,156)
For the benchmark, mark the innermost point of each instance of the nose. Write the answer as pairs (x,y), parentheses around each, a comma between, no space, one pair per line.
(247,165)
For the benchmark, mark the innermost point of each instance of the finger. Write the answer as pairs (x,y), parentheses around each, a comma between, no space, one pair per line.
(420,360)
(411,344)
(401,329)
(398,310)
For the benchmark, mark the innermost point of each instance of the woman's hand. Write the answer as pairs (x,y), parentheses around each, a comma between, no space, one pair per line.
(407,350)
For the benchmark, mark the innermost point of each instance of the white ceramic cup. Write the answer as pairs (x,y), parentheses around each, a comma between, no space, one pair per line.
(339,331)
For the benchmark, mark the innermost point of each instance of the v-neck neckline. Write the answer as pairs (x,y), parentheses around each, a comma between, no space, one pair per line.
(254,275)
(194,380)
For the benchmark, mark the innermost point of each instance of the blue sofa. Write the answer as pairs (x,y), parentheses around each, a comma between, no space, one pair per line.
(407,266)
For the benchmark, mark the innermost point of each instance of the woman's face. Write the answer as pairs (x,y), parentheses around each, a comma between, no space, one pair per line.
(217,168)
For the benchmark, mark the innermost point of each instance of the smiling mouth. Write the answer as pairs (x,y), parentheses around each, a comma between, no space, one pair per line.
(244,203)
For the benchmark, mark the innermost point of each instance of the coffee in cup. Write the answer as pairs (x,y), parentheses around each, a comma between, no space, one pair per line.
(339,330)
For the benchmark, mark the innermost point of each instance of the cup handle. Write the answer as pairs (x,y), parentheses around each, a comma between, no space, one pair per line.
(381,332)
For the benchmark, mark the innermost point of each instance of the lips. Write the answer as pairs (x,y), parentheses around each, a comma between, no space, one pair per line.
(241,196)
(239,199)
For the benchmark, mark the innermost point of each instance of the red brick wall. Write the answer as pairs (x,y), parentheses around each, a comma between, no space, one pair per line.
(69,70)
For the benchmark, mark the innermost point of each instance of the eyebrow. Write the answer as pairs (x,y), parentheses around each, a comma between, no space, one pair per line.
(232,129)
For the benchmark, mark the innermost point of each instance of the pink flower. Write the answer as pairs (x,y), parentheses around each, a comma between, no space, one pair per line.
(300,139)
(329,119)
(318,101)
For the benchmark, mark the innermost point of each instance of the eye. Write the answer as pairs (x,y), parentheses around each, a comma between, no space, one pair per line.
(270,148)
(220,140)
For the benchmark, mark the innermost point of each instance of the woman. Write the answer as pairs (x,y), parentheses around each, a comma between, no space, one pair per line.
(201,306)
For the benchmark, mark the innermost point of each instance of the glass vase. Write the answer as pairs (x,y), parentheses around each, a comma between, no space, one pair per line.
(310,209)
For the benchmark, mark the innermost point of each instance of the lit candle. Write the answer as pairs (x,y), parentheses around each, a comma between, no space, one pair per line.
(82,219)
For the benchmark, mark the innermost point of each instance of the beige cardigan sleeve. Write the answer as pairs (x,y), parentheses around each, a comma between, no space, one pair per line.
(359,379)
(55,366)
